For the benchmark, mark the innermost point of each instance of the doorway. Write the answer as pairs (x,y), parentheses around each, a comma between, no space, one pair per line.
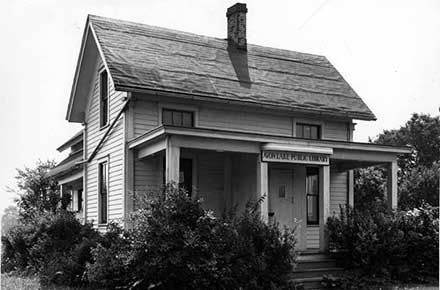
(294,201)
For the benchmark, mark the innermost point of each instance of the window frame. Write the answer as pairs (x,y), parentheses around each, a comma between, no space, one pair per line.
(310,125)
(79,195)
(179,107)
(317,195)
(177,111)
(103,124)
(100,206)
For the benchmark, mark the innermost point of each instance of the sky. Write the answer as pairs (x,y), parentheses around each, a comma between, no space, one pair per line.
(388,51)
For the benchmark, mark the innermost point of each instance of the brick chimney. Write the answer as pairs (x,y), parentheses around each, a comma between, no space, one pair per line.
(236,15)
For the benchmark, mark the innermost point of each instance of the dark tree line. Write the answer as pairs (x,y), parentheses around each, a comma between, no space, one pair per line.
(418,176)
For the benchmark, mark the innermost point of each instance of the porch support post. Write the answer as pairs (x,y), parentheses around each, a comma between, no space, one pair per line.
(392,184)
(172,160)
(350,181)
(263,188)
(325,205)
(227,180)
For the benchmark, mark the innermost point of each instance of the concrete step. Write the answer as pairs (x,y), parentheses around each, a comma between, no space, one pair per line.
(313,256)
(316,272)
(313,264)
(309,283)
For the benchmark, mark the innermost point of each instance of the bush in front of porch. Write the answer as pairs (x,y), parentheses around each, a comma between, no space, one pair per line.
(385,245)
(176,244)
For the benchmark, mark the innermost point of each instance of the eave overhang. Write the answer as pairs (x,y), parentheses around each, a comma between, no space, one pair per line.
(337,146)
(77,138)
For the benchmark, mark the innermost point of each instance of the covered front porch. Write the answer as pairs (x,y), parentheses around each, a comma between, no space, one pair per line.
(303,181)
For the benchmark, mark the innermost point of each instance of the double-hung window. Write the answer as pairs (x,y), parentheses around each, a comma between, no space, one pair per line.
(103,192)
(103,97)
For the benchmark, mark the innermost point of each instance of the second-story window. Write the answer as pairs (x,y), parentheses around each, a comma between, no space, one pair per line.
(103,93)
(308,131)
(177,118)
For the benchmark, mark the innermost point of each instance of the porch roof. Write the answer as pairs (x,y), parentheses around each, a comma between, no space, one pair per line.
(70,164)
(346,155)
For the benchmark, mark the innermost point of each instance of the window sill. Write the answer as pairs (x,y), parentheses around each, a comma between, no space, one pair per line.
(104,127)
(313,226)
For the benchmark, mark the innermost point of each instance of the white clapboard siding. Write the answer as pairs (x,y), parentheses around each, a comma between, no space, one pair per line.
(243,180)
(147,177)
(335,131)
(146,116)
(113,149)
(338,191)
(312,237)
(211,180)
(244,120)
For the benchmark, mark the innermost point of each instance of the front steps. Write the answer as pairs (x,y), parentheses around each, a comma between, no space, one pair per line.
(311,267)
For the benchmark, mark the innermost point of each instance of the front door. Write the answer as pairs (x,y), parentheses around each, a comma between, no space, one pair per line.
(287,200)
(281,196)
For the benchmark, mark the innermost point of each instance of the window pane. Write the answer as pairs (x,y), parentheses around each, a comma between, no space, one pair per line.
(103,192)
(282,191)
(312,209)
(314,132)
(187,119)
(306,131)
(167,117)
(299,131)
(312,191)
(314,181)
(177,118)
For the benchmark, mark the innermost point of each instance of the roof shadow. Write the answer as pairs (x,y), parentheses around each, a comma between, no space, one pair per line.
(239,60)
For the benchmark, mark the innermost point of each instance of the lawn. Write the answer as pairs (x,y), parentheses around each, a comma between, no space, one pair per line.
(10,282)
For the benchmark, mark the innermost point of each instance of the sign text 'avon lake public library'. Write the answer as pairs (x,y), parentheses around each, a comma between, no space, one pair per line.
(295,157)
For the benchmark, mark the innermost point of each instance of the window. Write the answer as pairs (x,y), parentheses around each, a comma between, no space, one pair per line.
(103,192)
(177,118)
(77,200)
(308,131)
(103,92)
(185,174)
(282,191)
(312,192)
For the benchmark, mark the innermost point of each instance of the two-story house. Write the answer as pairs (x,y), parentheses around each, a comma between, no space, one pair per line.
(229,120)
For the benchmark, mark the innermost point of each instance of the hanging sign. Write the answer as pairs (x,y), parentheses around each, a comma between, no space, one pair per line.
(295,157)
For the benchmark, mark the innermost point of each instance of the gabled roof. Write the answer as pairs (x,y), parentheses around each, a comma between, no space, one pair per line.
(142,57)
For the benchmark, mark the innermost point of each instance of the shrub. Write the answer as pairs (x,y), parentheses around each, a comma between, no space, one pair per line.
(392,245)
(55,246)
(110,260)
(356,280)
(176,244)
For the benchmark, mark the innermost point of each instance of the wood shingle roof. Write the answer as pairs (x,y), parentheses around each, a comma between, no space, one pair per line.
(143,57)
